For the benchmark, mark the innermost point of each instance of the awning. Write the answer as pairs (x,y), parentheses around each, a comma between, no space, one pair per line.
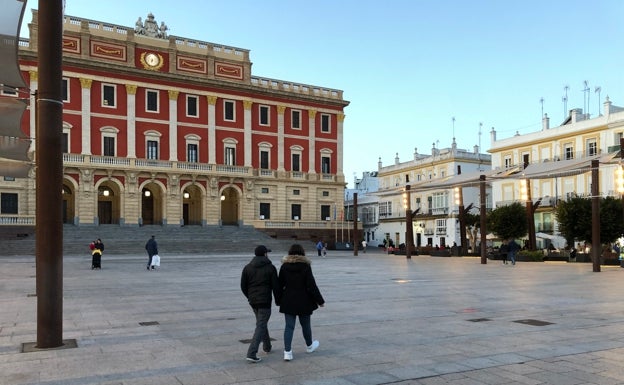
(10,22)
(466,179)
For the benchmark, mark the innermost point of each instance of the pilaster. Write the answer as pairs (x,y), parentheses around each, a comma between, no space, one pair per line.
(85,85)
(173,125)
(131,90)
(312,142)
(212,129)
(280,138)
(247,141)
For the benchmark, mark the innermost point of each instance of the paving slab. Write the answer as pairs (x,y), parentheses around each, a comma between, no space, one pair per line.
(387,320)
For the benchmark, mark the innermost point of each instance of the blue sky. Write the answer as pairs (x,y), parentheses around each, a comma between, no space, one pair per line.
(409,66)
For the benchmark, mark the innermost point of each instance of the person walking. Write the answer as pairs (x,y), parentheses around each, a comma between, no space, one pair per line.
(364,244)
(319,247)
(300,297)
(152,249)
(258,281)
(512,248)
(96,254)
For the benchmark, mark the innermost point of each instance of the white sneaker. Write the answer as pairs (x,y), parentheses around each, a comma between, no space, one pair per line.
(287,355)
(311,348)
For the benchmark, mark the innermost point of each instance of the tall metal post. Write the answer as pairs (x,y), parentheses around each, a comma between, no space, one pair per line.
(409,229)
(462,217)
(530,217)
(355,225)
(483,220)
(595,192)
(49,228)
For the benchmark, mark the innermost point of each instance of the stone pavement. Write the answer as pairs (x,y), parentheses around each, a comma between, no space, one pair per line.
(387,320)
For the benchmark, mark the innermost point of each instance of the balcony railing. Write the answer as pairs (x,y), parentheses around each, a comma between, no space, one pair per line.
(118,163)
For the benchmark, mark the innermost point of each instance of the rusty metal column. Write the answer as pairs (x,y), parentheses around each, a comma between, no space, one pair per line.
(409,228)
(355,225)
(530,217)
(595,191)
(483,220)
(49,228)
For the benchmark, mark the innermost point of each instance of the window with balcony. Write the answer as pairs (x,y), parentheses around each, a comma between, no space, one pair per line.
(264,160)
(295,212)
(325,212)
(192,153)
(65,89)
(8,203)
(385,209)
(296,162)
(568,151)
(439,203)
(152,149)
(265,211)
(325,164)
(591,147)
(108,145)
(230,156)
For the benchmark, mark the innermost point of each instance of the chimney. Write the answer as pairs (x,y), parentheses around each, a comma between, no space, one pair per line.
(396,159)
(415,153)
(576,115)
(493,135)
(476,149)
(379,164)
(545,122)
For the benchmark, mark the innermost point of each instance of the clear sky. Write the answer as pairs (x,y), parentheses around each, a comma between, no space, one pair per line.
(408,67)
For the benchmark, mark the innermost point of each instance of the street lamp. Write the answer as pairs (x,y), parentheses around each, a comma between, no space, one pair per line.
(409,231)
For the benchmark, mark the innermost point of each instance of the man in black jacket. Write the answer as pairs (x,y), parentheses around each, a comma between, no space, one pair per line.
(258,282)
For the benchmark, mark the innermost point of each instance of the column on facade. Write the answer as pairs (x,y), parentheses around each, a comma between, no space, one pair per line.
(212,128)
(247,129)
(131,119)
(34,85)
(280,138)
(173,125)
(340,144)
(85,84)
(312,142)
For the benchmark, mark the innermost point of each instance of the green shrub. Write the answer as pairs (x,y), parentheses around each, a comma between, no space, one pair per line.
(530,256)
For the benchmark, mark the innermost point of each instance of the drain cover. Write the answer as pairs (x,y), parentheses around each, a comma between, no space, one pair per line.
(479,319)
(533,322)
(149,323)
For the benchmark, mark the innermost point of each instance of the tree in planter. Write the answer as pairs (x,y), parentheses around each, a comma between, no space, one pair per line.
(508,221)
(575,219)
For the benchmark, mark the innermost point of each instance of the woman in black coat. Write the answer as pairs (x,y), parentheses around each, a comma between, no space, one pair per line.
(300,297)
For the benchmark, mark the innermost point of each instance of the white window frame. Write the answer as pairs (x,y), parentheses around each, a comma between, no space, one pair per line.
(188,103)
(225,103)
(264,107)
(292,119)
(110,132)
(266,147)
(67,131)
(296,150)
(152,135)
(329,122)
(591,147)
(568,151)
(326,154)
(149,92)
(105,102)
(508,162)
(192,139)
(229,151)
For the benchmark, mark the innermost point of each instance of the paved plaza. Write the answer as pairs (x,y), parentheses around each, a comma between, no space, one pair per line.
(387,320)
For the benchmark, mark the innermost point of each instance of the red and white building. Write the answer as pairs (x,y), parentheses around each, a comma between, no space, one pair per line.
(166,130)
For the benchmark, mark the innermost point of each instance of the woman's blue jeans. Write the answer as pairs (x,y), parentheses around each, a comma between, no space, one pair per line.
(304,321)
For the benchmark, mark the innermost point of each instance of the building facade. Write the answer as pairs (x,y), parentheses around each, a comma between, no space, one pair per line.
(436,218)
(160,129)
(577,140)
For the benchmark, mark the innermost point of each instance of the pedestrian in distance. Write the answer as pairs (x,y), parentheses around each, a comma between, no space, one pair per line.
(364,245)
(97,249)
(300,297)
(319,248)
(258,281)
(152,249)
(513,248)
(504,252)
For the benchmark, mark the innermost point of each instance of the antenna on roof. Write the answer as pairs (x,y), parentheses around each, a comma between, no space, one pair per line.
(586,97)
(565,101)
(597,90)
(453,127)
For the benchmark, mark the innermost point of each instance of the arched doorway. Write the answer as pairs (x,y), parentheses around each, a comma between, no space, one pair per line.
(151,205)
(229,207)
(69,204)
(191,206)
(108,204)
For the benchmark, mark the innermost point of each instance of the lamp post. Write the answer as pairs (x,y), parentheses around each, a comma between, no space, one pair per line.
(525,187)
(409,230)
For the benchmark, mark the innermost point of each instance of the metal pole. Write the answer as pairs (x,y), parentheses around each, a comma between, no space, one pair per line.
(355,225)
(462,218)
(483,220)
(409,229)
(49,182)
(530,218)
(595,252)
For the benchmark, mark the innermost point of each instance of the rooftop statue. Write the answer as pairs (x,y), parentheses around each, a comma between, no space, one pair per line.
(150,27)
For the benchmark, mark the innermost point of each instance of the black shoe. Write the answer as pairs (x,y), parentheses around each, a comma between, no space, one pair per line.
(267,349)
(254,360)
(153,268)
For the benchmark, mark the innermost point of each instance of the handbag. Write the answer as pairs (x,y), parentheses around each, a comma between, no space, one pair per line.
(155,260)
